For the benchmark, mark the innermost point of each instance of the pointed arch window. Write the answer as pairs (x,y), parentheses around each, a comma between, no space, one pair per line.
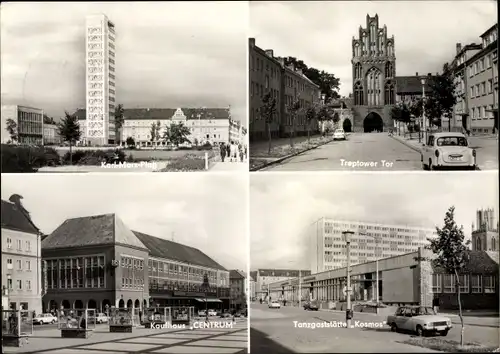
(389,49)
(389,93)
(357,71)
(358,94)
(493,244)
(478,244)
(389,70)
(373,79)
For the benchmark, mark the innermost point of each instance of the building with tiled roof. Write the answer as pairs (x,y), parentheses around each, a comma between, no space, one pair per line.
(285,83)
(21,258)
(213,125)
(98,262)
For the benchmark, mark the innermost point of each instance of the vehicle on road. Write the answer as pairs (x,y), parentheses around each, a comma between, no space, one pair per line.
(274,305)
(447,150)
(202,313)
(101,318)
(339,134)
(212,313)
(419,320)
(311,305)
(44,318)
(225,315)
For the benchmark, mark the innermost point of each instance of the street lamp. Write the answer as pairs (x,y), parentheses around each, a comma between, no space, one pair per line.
(422,81)
(348,314)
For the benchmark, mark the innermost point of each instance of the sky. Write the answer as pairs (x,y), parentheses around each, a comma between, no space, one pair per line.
(320,32)
(208,212)
(168,54)
(282,205)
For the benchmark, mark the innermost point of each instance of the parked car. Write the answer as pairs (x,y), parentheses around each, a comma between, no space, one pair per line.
(202,313)
(274,305)
(339,134)
(212,313)
(101,318)
(419,320)
(225,315)
(311,305)
(237,314)
(44,318)
(450,150)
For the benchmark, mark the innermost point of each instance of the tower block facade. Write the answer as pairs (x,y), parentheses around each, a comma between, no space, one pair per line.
(374,73)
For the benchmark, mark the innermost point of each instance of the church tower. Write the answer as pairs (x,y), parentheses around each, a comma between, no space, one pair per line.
(373,72)
(485,237)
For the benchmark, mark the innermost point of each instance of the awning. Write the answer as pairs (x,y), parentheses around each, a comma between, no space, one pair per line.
(208,300)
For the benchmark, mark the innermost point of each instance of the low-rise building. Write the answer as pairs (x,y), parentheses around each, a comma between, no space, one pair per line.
(212,125)
(286,84)
(21,258)
(97,262)
(237,279)
(264,277)
(28,125)
(51,135)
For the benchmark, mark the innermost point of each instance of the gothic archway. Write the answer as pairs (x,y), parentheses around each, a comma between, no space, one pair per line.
(347,125)
(78,305)
(373,123)
(129,304)
(121,304)
(92,304)
(373,86)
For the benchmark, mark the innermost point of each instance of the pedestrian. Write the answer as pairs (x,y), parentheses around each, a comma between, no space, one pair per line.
(240,148)
(284,302)
(228,151)
(223,152)
(233,151)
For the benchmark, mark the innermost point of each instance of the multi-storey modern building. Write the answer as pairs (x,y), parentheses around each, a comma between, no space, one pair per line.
(327,248)
(28,124)
(21,258)
(100,80)
(481,74)
(213,125)
(97,261)
(269,74)
(238,286)
(264,277)
(51,134)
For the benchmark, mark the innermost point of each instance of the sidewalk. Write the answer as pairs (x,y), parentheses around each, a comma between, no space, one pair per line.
(477,320)
(229,166)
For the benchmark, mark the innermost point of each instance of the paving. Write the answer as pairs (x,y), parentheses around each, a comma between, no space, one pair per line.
(229,166)
(196,340)
(275,330)
(376,151)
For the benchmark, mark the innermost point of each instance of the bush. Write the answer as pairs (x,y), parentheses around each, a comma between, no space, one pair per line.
(206,146)
(184,148)
(95,157)
(185,164)
(20,159)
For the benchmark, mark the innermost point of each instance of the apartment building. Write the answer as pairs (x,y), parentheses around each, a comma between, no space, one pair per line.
(327,248)
(28,122)
(238,287)
(21,258)
(286,84)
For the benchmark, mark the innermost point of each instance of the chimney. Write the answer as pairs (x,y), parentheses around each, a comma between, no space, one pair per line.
(416,74)
(281,61)
(251,41)
(459,47)
(16,199)
(269,53)
(299,71)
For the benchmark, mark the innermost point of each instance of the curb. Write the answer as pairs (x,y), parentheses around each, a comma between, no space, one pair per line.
(404,142)
(281,159)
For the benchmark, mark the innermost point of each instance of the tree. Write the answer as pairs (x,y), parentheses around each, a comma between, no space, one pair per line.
(293,110)
(12,130)
(119,118)
(322,116)
(69,130)
(442,97)
(310,116)
(400,113)
(452,255)
(155,131)
(130,141)
(177,134)
(267,111)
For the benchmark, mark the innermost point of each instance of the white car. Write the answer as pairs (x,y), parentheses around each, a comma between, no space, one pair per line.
(420,320)
(274,305)
(44,318)
(339,134)
(102,318)
(447,150)
(212,313)
(202,313)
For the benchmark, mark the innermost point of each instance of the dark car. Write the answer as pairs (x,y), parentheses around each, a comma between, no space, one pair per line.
(311,306)
(225,315)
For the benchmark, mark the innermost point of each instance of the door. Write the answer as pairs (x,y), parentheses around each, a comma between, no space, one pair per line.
(403,318)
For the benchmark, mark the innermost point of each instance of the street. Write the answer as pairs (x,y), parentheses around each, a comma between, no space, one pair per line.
(275,330)
(141,340)
(375,152)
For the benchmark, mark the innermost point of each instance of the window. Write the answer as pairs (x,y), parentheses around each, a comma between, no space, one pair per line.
(28,266)
(9,284)
(19,245)
(472,92)
(490,86)
(489,284)
(19,284)
(28,284)
(19,264)
(483,88)
(464,283)
(436,283)
(488,62)
(9,243)
(476,283)
(28,246)
(449,283)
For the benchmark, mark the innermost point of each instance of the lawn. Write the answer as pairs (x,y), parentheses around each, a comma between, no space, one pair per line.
(162,154)
(449,346)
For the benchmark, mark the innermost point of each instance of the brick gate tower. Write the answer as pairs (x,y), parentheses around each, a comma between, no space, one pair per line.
(374,82)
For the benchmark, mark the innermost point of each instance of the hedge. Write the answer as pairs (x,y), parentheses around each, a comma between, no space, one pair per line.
(20,159)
